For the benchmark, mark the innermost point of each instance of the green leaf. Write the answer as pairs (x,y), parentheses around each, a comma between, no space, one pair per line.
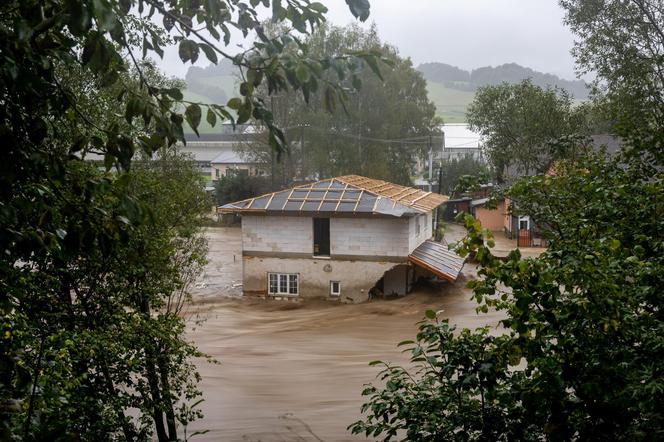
(359,8)
(174,93)
(103,13)
(430,314)
(188,51)
(244,113)
(234,103)
(209,51)
(193,115)
(373,64)
(302,73)
(211,117)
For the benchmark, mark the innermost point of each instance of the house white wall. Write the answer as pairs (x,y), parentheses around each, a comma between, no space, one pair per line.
(288,234)
(369,237)
(356,277)
(348,236)
(362,250)
(415,237)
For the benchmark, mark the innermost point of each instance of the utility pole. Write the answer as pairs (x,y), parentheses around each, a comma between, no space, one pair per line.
(303,156)
(272,149)
(430,162)
(440,188)
(440,169)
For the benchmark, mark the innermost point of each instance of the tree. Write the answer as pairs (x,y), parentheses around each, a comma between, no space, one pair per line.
(351,141)
(238,187)
(622,42)
(101,323)
(456,168)
(89,329)
(524,125)
(580,356)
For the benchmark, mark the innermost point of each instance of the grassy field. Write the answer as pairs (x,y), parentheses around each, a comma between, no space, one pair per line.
(227,83)
(450,103)
(204,127)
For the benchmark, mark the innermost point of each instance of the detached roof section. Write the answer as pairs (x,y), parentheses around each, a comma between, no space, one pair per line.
(436,258)
(344,194)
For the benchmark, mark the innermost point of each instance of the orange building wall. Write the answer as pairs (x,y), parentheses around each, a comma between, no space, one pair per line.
(492,219)
(507,217)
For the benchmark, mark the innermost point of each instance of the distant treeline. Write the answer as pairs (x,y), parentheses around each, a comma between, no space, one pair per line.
(455,78)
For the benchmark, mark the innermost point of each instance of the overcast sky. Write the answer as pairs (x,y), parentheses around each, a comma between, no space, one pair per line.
(465,33)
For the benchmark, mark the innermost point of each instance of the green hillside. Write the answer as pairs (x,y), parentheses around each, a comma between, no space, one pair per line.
(450,103)
(227,83)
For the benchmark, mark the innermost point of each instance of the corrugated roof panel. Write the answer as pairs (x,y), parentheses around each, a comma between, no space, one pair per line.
(438,259)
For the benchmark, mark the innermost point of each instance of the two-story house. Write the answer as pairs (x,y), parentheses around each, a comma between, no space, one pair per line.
(339,238)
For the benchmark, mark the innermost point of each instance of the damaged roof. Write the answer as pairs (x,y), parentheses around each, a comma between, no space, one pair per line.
(438,259)
(344,194)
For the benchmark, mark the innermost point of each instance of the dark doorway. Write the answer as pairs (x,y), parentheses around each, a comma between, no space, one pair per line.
(321,236)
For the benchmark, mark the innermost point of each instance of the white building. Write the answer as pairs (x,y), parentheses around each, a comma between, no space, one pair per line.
(339,238)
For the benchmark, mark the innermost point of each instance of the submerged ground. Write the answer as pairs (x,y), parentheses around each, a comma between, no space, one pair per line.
(294,371)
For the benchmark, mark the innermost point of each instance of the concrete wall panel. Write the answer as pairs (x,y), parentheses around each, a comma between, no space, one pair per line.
(356,277)
(367,236)
(277,234)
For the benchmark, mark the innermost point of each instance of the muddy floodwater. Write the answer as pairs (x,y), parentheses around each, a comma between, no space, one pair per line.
(294,371)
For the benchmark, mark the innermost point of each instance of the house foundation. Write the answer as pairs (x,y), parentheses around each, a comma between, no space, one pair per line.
(315,276)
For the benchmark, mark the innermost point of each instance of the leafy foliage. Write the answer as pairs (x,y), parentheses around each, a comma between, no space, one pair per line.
(580,354)
(95,264)
(454,172)
(331,144)
(622,42)
(524,126)
(238,187)
(98,323)
(584,326)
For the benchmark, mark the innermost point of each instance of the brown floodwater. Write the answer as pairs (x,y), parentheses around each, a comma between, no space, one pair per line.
(294,371)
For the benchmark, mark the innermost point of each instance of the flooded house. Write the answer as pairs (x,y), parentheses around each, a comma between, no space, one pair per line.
(341,238)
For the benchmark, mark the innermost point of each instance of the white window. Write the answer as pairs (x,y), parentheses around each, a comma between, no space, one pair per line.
(283,284)
(335,288)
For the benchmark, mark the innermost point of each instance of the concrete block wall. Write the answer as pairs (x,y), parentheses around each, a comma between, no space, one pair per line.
(369,237)
(426,230)
(291,234)
(348,236)
(356,277)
